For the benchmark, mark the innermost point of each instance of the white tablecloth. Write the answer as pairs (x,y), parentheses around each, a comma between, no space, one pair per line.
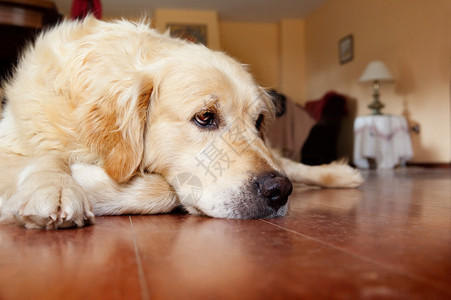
(384,138)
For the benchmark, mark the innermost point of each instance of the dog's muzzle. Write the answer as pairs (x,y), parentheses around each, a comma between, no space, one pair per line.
(264,195)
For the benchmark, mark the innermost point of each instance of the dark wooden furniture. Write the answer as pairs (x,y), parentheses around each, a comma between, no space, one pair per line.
(20,22)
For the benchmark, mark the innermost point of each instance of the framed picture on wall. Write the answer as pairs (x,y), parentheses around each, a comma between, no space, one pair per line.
(346,49)
(195,33)
(192,25)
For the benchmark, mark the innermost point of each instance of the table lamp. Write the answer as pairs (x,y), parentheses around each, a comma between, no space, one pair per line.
(376,71)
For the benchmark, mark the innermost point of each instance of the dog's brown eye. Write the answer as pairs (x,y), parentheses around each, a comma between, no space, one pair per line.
(205,118)
(259,122)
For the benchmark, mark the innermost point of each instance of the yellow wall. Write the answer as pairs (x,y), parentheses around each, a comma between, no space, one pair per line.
(274,52)
(292,59)
(256,45)
(413,37)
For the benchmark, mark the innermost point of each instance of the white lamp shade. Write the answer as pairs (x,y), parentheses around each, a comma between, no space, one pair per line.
(376,70)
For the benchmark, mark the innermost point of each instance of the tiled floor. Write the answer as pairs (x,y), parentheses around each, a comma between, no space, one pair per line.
(390,239)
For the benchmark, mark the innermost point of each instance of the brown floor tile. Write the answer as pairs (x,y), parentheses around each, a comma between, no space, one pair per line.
(402,221)
(252,259)
(96,262)
(390,239)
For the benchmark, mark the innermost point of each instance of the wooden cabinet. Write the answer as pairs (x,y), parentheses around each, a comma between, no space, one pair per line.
(20,22)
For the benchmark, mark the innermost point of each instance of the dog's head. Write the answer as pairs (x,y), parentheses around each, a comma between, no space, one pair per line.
(205,135)
(197,118)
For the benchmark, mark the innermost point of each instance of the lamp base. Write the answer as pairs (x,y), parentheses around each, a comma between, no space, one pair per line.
(376,105)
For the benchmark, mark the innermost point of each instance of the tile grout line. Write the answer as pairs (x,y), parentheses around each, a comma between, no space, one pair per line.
(432,283)
(139,266)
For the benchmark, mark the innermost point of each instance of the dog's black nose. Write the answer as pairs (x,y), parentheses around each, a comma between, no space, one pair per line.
(275,188)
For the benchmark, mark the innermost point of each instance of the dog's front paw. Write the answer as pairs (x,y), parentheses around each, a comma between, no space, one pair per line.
(339,175)
(51,201)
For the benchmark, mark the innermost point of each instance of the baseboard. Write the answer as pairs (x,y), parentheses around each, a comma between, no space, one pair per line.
(430,165)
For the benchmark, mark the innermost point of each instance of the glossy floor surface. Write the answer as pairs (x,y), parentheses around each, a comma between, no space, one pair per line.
(390,239)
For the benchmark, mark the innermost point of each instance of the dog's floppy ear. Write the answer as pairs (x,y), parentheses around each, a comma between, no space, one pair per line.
(279,100)
(113,126)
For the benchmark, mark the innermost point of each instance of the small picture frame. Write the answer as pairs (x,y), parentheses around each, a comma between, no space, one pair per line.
(346,49)
(197,26)
(195,33)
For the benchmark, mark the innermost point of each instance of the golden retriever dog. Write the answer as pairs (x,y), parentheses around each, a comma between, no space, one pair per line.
(108,118)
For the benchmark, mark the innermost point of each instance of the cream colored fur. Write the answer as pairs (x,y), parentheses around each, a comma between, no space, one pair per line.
(99,121)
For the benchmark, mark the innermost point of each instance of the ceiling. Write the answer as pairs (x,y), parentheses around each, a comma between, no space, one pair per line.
(228,10)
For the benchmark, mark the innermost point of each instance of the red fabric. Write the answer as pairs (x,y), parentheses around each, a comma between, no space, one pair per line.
(315,107)
(81,8)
